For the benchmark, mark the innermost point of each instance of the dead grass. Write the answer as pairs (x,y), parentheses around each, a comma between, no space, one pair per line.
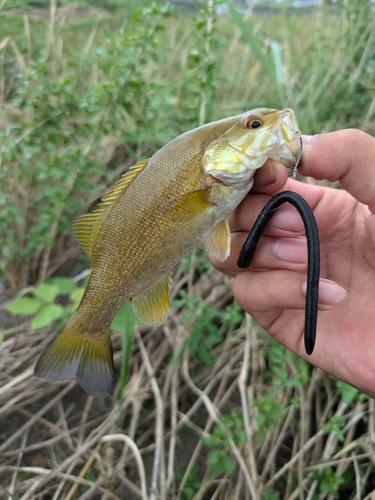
(57,442)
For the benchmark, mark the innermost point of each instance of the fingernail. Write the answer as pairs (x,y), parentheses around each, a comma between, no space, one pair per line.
(306,139)
(291,249)
(330,293)
(272,171)
(268,174)
(288,219)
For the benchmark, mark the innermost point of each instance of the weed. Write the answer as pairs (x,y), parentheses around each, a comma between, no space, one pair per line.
(268,416)
(335,424)
(280,360)
(39,302)
(219,461)
(125,322)
(192,483)
(58,119)
(328,482)
(204,323)
(50,304)
(348,394)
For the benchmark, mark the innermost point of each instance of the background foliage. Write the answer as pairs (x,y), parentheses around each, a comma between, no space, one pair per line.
(207,405)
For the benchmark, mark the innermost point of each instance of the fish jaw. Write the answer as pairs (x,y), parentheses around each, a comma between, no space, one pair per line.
(289,148)
(258,135)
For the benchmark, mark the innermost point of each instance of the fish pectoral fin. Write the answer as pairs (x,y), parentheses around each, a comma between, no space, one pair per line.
(218,241)
(186,206)
(152,305)
(87,227)
(85,357)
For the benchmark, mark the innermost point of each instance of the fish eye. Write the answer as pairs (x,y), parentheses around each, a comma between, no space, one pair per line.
(252,123)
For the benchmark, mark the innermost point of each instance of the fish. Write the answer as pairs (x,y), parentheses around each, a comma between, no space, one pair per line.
(159,211)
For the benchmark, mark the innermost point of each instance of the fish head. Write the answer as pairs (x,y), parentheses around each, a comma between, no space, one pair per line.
(252,138)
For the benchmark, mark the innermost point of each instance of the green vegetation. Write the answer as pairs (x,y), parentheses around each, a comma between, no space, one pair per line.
(81,98)
(207,403)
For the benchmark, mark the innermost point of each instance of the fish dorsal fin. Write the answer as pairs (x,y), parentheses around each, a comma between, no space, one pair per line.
(217,241)
(87,227)
(152,305)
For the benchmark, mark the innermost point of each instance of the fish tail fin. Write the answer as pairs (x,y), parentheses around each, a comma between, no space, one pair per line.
(87,358)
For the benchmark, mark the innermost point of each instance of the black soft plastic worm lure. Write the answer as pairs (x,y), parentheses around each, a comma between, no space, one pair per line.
(313,259)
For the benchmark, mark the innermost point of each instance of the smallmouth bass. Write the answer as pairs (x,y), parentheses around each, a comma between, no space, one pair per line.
(158,212)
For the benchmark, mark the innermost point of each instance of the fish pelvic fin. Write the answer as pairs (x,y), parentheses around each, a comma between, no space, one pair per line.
(152,305)
(218,241)
(86,358)
(87,227)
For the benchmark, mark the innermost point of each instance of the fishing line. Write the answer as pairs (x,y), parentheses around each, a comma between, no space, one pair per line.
(313,254)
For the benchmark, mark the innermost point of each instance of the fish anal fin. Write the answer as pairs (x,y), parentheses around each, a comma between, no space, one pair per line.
(86,358)
(218,241)
(152,305)
(87,228)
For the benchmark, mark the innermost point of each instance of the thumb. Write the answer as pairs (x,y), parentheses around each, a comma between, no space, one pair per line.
(347,156)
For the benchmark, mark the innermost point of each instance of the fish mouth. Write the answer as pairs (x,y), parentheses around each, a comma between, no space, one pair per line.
(290,141)
(291,154)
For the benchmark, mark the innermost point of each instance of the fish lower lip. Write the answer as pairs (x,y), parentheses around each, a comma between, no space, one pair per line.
(299,156)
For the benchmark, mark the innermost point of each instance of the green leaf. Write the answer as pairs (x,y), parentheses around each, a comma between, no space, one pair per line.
(66,285)
(276,52)
(46,315)
(215,469)
(46,292)
(268,494)
(125,320)
(339,434)
(205,355)
(240,435)
(210,440)
(77,294)
(213,455)
(348,393)
(228,464)
(25,306)
(10,495)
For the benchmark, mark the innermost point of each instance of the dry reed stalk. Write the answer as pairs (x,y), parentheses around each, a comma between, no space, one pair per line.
(65,441)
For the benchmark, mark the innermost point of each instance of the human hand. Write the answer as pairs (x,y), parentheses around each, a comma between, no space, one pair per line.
(272,289)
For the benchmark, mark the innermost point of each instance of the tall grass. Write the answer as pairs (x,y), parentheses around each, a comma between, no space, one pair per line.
(212,408)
